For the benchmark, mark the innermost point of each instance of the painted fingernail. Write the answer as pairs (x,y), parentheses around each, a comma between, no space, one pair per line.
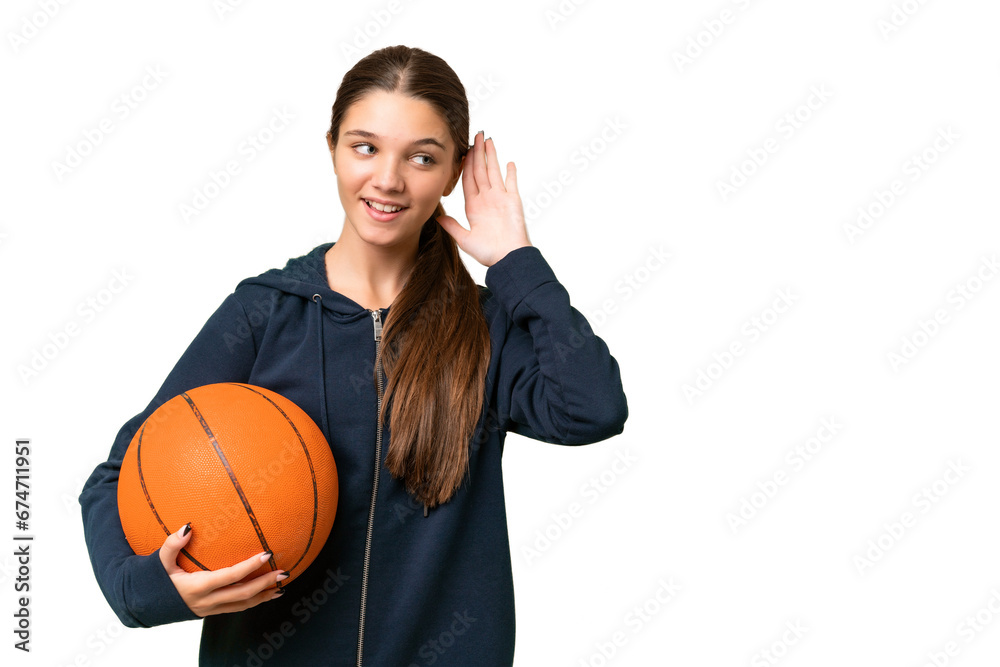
(186,529)
(483,132)
(283,575)
(488,138)
(278,594)
(266,556)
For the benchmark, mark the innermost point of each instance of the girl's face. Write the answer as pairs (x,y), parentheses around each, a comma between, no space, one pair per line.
(392,150)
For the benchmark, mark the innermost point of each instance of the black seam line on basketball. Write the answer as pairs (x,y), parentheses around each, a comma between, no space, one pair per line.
(142,481)
(232,478)
(312,471)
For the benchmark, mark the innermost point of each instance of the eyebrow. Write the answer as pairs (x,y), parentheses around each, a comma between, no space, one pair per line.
(419,142)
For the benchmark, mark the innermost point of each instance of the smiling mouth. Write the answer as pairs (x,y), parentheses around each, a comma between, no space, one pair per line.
(381,208)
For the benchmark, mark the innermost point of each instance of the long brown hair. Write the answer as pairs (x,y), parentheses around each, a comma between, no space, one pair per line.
(435,342)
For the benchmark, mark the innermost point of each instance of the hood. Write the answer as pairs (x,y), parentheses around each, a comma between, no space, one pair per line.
(305,276)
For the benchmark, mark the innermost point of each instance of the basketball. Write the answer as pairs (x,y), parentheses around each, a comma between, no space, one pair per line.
(247,467)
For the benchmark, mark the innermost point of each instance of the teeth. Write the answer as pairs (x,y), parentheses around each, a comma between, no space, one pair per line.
(381,207)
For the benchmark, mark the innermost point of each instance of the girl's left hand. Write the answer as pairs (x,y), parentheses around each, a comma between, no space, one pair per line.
(494,210)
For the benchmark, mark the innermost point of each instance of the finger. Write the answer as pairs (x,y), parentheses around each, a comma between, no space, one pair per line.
(511,178)
(493,166)
(244,590)
(242,605)
(172,546)
(225,576)
(469,188)
(479,164)
(457,231)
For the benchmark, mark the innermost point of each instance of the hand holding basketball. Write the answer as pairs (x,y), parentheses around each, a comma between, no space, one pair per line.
(218,591)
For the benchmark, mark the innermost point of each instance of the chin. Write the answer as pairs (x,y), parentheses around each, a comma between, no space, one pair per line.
(411,221)
(371,233)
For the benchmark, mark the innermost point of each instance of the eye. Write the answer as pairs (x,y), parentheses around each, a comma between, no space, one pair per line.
(356,147)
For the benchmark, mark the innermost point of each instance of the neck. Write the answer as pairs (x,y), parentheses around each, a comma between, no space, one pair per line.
(378,272)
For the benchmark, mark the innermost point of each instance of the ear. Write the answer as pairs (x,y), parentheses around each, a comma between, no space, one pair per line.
(455,176)
(329,143)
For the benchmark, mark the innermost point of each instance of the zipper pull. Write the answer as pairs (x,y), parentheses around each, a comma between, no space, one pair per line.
(425,510)
(377,317)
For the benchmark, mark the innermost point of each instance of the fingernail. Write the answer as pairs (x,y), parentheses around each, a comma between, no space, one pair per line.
(482,132)
(488,138)
(283,575)
(186,529)
(278,594)
(266,556)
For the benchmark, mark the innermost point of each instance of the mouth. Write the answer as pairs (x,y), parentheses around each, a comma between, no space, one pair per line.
(383,207)
(383,212)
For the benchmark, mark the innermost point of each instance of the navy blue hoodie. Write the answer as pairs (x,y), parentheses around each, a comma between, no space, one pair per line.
(391,587)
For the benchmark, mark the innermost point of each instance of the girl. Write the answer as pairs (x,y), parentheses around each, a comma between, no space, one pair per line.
(383,330)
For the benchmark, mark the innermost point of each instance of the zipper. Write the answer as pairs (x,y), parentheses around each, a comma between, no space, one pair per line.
(377,321)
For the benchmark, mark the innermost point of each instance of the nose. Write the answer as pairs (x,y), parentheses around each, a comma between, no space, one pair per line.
(386,176)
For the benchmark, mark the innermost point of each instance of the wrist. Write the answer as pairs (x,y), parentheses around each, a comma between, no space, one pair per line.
(509,250)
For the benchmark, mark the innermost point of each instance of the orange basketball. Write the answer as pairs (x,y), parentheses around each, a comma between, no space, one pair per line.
(246,466)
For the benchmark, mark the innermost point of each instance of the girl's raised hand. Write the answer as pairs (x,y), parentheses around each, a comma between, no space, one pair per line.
(494,210)
(218,591)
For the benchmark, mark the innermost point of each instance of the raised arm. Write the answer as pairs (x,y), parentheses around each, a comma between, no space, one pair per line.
(558,381)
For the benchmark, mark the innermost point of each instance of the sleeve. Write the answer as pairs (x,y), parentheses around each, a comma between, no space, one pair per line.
(138,588)
(558,382)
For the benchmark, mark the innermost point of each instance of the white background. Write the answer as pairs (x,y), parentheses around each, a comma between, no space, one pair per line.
(663,134)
